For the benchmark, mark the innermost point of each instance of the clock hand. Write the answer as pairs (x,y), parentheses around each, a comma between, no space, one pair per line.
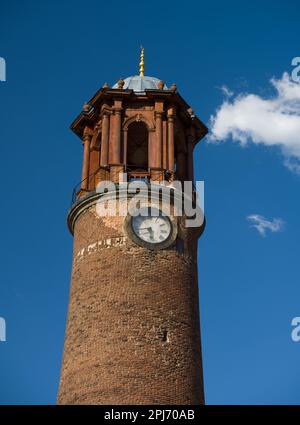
(147,229)
(151,232)
(143,232)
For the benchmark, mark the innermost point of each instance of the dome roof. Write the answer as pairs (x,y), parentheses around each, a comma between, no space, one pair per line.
(139,84)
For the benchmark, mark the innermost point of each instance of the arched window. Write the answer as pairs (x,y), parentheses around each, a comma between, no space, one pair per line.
(137,146)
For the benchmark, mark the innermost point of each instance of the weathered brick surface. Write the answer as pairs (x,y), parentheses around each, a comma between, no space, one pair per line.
(132,333)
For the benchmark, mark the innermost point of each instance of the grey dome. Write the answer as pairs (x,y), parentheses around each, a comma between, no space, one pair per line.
(139,84)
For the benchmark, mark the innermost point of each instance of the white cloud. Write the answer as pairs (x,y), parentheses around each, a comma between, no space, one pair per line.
(293,164)
(272,121)
(263,224)
(226,91)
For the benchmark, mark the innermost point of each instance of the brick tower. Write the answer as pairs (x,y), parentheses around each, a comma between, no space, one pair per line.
(133,334)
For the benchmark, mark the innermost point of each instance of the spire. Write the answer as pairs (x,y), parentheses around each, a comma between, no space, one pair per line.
(142,63)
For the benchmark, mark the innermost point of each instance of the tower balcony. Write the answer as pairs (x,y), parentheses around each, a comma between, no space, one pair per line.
(115,174)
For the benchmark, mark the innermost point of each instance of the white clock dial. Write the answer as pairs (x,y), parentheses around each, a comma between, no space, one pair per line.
(151,229)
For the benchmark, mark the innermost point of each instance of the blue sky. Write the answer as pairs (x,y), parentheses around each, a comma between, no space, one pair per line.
(58,54)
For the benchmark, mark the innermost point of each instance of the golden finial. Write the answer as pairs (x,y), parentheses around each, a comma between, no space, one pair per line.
(142,63)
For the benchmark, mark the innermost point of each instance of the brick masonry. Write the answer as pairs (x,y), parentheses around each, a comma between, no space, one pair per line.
(132,332)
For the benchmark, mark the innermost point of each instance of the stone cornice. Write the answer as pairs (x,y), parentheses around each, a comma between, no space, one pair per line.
(107,95)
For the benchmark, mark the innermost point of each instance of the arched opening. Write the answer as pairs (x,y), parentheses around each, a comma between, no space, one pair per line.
(137,147)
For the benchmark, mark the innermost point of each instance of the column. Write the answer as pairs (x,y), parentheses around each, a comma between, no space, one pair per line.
(86,160)
(116,146)
(171,142)
(158,150)
(165,145)
(104,140)
(125,134)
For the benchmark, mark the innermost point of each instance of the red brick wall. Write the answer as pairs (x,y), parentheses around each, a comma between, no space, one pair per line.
(132,333)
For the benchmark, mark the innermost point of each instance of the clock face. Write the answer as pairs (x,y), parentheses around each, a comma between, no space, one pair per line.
(152,229)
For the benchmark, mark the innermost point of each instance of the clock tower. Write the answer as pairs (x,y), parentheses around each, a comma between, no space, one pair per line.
(133,334)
